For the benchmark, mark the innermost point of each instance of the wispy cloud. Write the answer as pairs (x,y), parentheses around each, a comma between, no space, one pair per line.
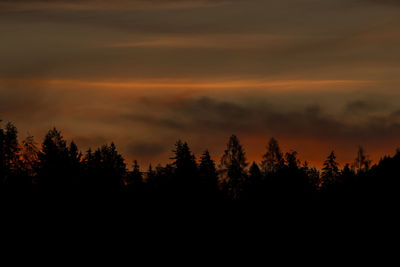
(222,41)
(227,83)
(105,4)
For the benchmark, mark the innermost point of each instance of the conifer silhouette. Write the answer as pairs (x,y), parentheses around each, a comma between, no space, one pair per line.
(60,167)
(233,167)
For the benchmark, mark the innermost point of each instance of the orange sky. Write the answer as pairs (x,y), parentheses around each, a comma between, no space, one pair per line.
(316,75)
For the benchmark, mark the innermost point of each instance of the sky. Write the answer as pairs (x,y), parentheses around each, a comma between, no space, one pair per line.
(316,75)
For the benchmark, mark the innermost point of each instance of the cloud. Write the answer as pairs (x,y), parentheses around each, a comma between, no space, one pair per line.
(383,2)
(362,106)
(145,128)
(18,98)
(216,117)
(216,41)
(17,5)
(194,83)
(146,150)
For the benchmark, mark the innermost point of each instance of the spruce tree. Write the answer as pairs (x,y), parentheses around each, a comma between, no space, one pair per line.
(233,166)
(208,174)
(330,171)
(273,159)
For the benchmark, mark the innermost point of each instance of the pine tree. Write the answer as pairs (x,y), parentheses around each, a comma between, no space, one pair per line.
(313,175)
(208,174)
(75,168)
(291,160)
(233,166)
(150,175)
(134,181)
(10,161)
(30,158)
(273,159)
(105,168)
(255,175)
(347,171)
(2,157)
(54,159)
(135,178)
(254,183)
(330,171)
(361,163)
(112,166)
(185,165)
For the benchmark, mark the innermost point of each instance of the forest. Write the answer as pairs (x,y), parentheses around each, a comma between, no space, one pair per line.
(61,168)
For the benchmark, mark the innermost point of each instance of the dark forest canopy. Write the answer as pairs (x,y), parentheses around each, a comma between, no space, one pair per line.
(58,165)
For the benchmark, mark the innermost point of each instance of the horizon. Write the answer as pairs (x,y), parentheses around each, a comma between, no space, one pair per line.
(215,156)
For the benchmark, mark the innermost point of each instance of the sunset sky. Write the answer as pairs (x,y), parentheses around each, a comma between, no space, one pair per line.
(318,75)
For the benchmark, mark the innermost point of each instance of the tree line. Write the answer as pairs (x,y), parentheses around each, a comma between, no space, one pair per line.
(58,166)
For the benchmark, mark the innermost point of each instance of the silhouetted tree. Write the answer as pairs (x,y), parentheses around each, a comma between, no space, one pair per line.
(2,157)
(89,169)
(150,174)
(361,162)
(186,176)
(134,180)
(347,181)
(163,183)
(254,184)
(30,155)
(29,161)
(313,175)
(135,177)
(9,153)
(75,168)
(330,171)
(54,159)
(62,167)
(291,182)
(384,179)
(273,159)
(291,160)
(106,168)
(208,175)
(347,171)
(233,167)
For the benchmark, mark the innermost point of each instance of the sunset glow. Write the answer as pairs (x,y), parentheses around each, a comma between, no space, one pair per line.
(316,75)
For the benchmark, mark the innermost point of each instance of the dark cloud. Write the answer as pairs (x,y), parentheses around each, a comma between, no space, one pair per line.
(383,2)
(162,122)
(17,99)
(92,141)
(363,106)
(104,4)
(146,150)
(217,117)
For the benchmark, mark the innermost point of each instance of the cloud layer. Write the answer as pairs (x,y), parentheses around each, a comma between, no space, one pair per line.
(104,4)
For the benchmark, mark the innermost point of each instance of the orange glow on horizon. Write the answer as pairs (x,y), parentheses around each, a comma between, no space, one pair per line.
(289,85)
